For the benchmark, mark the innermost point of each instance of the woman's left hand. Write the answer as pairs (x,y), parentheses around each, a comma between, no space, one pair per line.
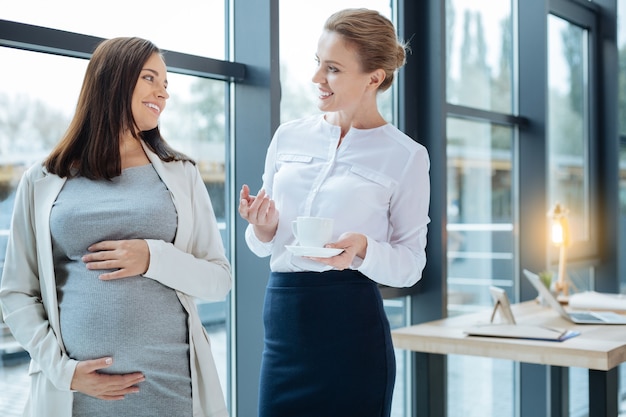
(353,244)
(128,257)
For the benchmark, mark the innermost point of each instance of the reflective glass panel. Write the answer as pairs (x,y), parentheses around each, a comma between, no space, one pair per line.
(35,109)
(568,123)
(191,26)
(397,313)
(621,26)
(479,52)
(621,36)
(480,254)
(480,387)
(621,44)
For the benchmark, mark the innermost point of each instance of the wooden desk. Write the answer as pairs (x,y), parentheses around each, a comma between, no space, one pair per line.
(599,348)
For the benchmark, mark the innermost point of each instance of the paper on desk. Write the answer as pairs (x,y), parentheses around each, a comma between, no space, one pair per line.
(522,331)
(592,300)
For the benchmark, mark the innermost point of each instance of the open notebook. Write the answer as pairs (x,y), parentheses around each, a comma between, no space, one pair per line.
(578,317)
(521,331)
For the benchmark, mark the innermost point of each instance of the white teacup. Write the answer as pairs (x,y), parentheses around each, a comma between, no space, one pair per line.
(313,231)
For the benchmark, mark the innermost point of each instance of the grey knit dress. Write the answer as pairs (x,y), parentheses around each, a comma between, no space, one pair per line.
(137,321)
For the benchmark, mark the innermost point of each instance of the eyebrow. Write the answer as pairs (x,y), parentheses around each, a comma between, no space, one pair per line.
(329,62)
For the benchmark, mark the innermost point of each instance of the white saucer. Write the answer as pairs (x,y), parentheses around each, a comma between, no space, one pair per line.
(313,251)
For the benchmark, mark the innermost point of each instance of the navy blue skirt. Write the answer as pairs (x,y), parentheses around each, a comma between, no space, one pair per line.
(328,349)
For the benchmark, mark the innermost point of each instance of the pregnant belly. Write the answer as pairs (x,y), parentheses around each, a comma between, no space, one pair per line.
(134,320)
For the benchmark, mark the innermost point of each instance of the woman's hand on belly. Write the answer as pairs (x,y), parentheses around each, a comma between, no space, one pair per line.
(89,381)
(129,258)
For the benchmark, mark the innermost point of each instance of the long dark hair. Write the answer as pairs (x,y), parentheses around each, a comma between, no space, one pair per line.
(91,144)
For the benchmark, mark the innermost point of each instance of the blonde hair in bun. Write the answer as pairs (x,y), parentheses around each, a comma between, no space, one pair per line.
(374,38)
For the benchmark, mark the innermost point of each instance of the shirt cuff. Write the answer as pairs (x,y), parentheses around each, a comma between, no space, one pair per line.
(256,246)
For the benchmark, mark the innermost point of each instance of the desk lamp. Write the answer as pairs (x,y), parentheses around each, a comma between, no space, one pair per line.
(561,238)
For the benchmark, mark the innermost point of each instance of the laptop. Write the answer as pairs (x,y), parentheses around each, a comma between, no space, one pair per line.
(578,317)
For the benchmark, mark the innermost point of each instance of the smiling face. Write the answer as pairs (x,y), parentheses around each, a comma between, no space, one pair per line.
(150,93)
(342,84)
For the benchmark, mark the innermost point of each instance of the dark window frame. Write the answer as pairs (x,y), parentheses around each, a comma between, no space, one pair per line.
(59,42)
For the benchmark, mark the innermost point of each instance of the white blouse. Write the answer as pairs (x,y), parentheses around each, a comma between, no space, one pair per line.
(376,183)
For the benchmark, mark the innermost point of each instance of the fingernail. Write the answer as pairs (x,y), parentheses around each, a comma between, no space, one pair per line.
(108,361)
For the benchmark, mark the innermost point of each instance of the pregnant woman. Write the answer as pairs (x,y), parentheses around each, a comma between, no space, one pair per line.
(113,237)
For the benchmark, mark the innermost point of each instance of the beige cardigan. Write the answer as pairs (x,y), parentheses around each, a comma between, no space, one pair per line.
(194,265)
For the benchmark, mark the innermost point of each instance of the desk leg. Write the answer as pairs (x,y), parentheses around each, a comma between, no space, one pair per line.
(559,391)
(429,394)
(533,390)
(603,393)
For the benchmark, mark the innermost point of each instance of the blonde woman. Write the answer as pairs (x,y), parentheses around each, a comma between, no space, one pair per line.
(328,349)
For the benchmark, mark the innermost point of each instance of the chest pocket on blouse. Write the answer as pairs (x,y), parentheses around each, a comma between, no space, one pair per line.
(294,158)
(374,176)
(292,171)
(372,185)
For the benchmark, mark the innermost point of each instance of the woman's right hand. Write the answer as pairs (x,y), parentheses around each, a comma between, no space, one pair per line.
(260,211)
(104,386)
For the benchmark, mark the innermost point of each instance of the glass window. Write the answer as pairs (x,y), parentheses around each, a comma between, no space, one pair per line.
(568,123)
(480,206)
(398,315)
(621,39)
(35,111)
(480,253)
(569,132)
(194,123)
(190,26)
(480,213)
(481,385)
(621,26)
(621,44)
(479,50)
